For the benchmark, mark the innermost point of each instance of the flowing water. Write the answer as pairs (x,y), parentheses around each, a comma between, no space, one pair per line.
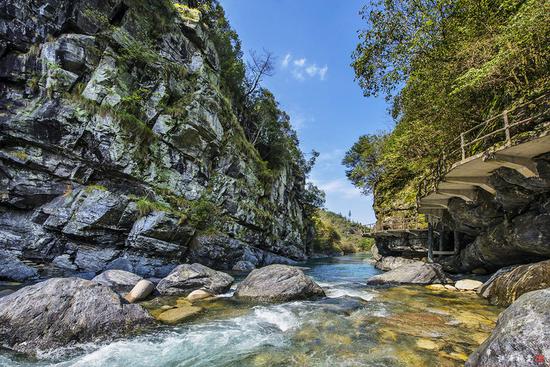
(354,326)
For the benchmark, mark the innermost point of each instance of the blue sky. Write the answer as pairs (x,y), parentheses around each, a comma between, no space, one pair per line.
(313,41)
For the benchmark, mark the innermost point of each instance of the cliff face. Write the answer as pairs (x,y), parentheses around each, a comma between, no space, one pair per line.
(511,227)
(119,150)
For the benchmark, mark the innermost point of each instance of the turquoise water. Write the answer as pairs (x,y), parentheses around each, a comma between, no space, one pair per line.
(353,326)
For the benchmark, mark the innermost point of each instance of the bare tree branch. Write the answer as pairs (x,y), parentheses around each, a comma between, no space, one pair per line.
(258,67)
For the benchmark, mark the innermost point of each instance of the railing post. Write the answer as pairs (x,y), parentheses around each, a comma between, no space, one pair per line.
(506,128)
(462,146)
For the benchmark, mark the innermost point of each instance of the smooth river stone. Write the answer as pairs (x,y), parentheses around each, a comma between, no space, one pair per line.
(179,314)
(140,291)
(468,285)
(198,294)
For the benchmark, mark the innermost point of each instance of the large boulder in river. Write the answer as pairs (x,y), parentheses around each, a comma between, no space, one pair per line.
(277,283)
(63,311)
(188,277)
(415,273)
(119,280)
(389,262)
(521,337)
(506,286)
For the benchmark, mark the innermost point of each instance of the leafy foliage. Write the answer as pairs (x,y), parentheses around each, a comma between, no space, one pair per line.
(446,65)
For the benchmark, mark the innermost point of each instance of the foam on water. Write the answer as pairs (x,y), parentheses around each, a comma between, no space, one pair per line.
(199,344)
(366,295)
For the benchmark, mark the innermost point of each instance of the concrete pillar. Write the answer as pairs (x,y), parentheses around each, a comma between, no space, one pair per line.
(430,242)
(456,242)
(441,237)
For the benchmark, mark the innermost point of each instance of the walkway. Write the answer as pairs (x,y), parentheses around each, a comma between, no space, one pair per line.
(511,139)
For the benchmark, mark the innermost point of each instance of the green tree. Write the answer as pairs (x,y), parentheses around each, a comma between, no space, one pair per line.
(446,66)
(364,163)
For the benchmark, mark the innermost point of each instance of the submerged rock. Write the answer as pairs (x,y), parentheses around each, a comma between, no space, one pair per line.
(468,285)
(341,305)
(189,277)
(507,285)
(64,311)
(277,283)
(416,273)
(118,280)
(521,336)
(178,314)
(390,263)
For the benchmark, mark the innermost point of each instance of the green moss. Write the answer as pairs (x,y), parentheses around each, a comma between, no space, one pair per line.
(146,206)
(94,187)
(201,214)
(187,13)
(33,83)
(96,17)
(178,109)
(140,53)
(20,154)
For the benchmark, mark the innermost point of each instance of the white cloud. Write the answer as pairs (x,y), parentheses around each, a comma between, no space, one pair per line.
(298,74)
(300,62)
(323,72)
(339,187)
(311,70)
(300,68)
(300,120)
(286,60)
(333,157)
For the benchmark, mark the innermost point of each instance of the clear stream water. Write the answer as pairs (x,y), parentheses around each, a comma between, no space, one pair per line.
(355,326)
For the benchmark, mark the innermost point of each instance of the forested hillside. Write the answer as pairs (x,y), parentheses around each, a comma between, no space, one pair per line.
(336,234)
(445,65)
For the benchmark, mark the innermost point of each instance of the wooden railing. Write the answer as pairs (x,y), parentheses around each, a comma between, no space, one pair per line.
(416,222)
(503,128)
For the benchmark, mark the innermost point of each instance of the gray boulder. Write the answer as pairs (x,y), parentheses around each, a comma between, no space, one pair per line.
(120,281)
(278,283)
(188,277)
(374,252)
(65,311)
(416,273)
(390,263)
(521,336)
(11,268)
(510,283)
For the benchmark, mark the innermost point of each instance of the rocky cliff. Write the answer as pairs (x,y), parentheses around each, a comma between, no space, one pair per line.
(119,150)
(510,227)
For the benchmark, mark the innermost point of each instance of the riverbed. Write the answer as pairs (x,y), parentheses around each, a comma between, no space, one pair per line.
(355,325)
